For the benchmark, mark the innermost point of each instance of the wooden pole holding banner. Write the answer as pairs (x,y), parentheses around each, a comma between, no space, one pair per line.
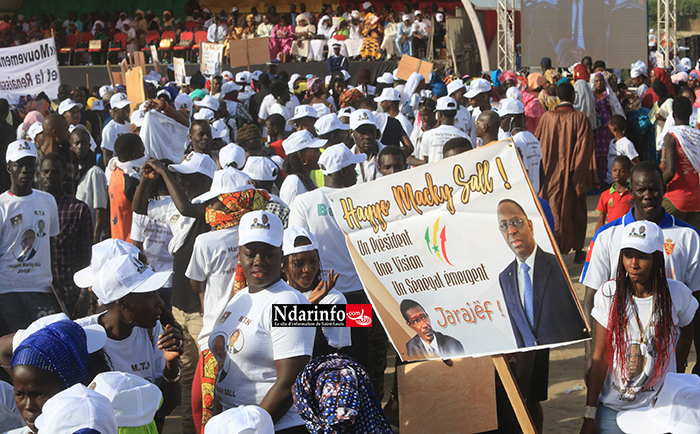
(513,392)
(454,59)
(87,81)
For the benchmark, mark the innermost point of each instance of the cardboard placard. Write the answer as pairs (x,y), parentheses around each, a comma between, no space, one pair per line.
(210,57)
(139,60)
(408,65)
(430,392)
(180,72)
(134,87)
(248,52)
(95,44)
(154,58)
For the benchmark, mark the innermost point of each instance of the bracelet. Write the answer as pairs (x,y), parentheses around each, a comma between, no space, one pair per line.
(174,380)
(663,159)
(589,412)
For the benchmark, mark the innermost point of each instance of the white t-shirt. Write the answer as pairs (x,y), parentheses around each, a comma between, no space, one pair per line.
(434,140)
(464,122)
(681,249)
(405,123)
(23,430)
(93,145)
(110,133)
(25,249)
(214,259)
(252,346)
(337,337)
(417,138)
(636,393)
(531,151)
(313,211)
(270,100)
(621,147)
(92,189)
(368,170)
(291,188)
(138,354)
(155,236)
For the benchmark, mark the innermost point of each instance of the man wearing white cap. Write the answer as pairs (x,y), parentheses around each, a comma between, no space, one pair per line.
(479,95)
(389,102)
(421,32)
(512,113)
(119,109)
(404,36)
(330,127)
(312,211)
(433,140)
(457,91)
(337,61)
(279,94)
(77,410)
(364,133)
(29,219)
(243,79)
(638,73)
(304,118)
(264,171)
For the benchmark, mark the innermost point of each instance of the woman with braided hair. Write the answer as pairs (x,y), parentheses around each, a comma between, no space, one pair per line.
(644,330)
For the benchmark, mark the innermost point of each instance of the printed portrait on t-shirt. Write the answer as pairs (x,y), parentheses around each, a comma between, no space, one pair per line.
(218,348)
(640,365)
(235,344)
(26,250)
(41,228)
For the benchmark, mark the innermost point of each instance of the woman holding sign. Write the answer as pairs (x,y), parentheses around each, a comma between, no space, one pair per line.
(644,328)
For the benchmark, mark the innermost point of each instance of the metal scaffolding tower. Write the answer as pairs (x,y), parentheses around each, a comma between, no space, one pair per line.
(666,25)
(505,12)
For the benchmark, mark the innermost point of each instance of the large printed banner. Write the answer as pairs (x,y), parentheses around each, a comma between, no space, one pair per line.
(211,56)
(456,258)
(29,69)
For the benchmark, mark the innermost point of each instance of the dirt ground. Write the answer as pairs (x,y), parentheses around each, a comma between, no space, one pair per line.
(567,393)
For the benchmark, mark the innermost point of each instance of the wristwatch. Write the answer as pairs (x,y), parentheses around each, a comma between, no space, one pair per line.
(589,412)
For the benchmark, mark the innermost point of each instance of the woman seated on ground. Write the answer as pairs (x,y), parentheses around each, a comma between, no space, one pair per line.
(303,32)
(281,39)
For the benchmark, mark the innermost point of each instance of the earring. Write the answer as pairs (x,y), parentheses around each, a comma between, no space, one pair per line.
(132,316)
(305,161)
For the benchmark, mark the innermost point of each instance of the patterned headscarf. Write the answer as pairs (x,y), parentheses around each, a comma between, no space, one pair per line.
(581,72)
(349,97)
(552,76)
(60,347)
(237,204)
(507,75)
(333,394)
(313,86)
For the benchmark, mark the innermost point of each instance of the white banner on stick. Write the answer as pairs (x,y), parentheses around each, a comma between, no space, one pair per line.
(29,69)
(439,250)
(211,56)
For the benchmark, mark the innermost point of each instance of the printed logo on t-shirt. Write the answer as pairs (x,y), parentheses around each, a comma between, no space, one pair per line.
(323,210)
(16,220)
(669,245)
(224,317)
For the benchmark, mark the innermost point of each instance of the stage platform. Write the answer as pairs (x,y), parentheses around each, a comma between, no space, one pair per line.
(77,75)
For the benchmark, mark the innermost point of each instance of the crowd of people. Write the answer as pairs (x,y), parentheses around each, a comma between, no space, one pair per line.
(157,236)
(363,32)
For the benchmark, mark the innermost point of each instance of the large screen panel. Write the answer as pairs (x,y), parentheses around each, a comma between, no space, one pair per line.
(567,30)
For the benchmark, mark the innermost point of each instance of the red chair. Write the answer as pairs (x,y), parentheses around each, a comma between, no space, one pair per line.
(121,38)
(85,39)
(69,46)
(183,37)
(152,36)
(190,25)
(200,36)
(168,34)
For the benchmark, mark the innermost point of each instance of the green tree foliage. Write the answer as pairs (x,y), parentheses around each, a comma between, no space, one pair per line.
(685,9)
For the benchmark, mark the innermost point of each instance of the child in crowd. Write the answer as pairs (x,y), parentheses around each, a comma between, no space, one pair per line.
(619,145)
(617,201)
(124,173)
(120,109)
(644,330)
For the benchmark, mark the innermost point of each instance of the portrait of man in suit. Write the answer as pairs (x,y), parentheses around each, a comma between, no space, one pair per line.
(541,307)
(427,343)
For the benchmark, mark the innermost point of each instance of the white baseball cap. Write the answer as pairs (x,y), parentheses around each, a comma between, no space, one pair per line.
(34,130)
(643,235)
(183,101)
(321,109)
(204,114)
(77,408)
(301,140)
(98,105)
(194,162)
(292,80)
(329,123)
(389,94)
(355,14)
(303,111)
(134,399)
(163,92)
(386,78)
(260,227)
(228,180)
(234,9)
(119,100)
(232,153)
(362,117)
(230,86)
(209,102)
(418,12)
(454,86)
(95,333)
(219,130)
(261,169)
(243,77)
(137,117)
(101,253)
(68,104)
(124,275)
(477,86)
(227,76)
(244,419)
(255,75)
(673,409)
(510,106)
(338,157)
(104,89)
(439,17)
(19,149)
(405,18)
(345,112)
(290,236)
(446,103)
